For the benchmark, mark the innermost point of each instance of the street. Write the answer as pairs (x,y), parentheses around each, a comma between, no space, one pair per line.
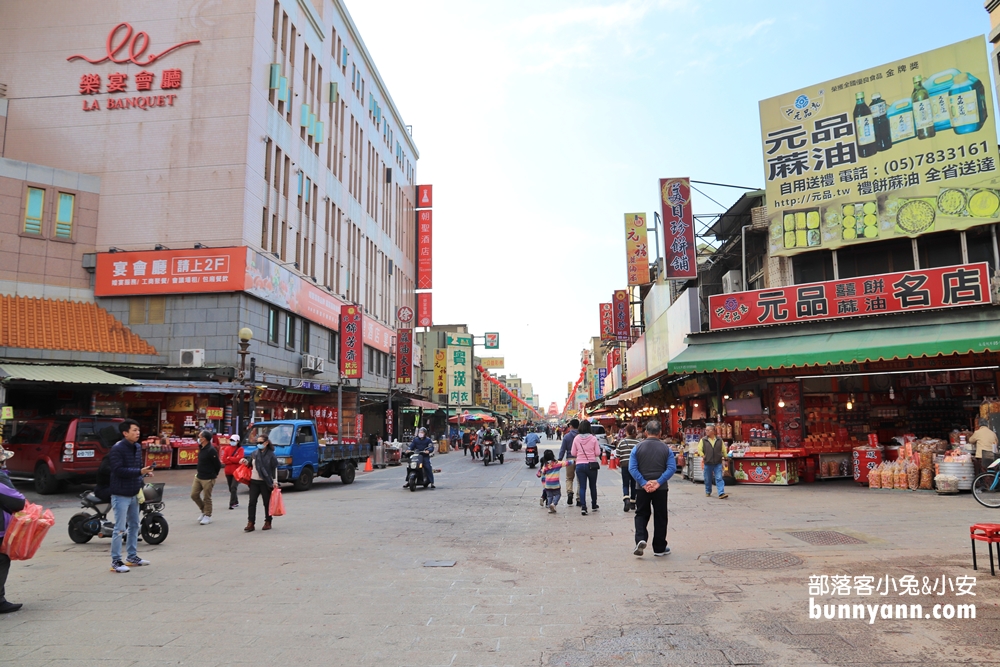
(342,579)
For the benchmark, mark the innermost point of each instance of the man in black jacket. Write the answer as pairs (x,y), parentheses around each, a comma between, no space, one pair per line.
(126,481)
(209,466)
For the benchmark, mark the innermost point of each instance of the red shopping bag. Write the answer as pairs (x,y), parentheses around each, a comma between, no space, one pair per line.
(277,506)
(242,474)
(26,531)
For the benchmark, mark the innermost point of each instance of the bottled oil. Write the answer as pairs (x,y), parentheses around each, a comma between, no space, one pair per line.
(880,119)
(968,104)
(865,125)
(923,112)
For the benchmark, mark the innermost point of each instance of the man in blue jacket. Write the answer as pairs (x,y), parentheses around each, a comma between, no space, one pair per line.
(126,481)
(11,501)
(652,463)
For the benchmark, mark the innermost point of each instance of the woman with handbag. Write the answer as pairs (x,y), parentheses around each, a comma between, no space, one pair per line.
(263,478)
(587,452)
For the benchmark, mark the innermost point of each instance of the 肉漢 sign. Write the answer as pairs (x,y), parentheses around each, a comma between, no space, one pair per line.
(901,149)
(905,291)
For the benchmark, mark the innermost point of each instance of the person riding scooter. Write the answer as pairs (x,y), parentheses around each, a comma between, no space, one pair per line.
(423,446)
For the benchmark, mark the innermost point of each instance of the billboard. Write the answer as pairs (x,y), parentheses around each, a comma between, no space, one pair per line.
(424,254)
(678,228)
(621,314)
(351,345)
(424,313)
(905,291)
(636,249)
(440,371)
(607,322)
(404,356)
(459,362)
(170,271)
(491,362)
(899,150)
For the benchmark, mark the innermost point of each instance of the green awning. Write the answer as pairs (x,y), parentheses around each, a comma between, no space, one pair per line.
(651,387)
(65,374)
(843,347)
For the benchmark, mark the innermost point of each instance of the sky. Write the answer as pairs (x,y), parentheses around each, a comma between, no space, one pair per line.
(541,123)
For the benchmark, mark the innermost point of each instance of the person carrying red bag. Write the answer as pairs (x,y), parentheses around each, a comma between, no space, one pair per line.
(231,456)
(11,501)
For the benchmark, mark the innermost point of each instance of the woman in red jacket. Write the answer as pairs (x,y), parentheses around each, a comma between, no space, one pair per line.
(231,456)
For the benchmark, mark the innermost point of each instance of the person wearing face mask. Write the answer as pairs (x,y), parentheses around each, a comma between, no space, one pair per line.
(263,478)
(423,445)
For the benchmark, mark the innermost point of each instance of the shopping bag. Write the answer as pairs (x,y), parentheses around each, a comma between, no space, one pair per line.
(277,506)
(26,531)
(242,474)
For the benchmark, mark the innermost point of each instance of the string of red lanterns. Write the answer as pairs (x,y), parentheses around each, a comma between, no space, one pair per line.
(489,378)
(569,399)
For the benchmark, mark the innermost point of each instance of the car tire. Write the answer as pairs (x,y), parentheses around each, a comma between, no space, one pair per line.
(45,482)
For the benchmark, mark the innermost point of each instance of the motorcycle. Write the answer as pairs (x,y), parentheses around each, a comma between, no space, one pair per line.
(153,526)
(515,443)
(415,470)
(488,454)
(531,456)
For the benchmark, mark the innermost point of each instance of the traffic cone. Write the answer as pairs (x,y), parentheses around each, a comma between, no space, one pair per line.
(604,459)
(368,464)
(613,463)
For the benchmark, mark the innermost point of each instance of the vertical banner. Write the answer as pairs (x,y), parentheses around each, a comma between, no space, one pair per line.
(424,315)
(404,356)
(351,345)
(602,374)
(678,228)
(607,322)
(425,196)
(459,362)
(388,424)
(359,426)
(424,263)
(621,313)
(636,249)
(440,372)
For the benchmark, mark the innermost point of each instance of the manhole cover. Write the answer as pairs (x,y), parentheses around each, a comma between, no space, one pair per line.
(825,538)
(756,560)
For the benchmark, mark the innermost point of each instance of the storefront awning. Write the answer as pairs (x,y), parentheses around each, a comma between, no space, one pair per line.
(186,387)
(426,405)
(64,374)
(630,395)
(844,347)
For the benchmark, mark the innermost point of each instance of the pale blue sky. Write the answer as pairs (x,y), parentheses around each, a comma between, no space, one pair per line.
(541,123)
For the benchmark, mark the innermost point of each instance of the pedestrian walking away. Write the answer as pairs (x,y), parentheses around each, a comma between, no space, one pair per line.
(623,451)
(11,501)
(566,452)
(652,464)
(549,472)
(208,469)
(127,472)
(714,451)
(231,456)
(466,441)
(587,451)
(263,479)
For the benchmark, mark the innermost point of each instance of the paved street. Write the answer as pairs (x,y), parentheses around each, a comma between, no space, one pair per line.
(341,580)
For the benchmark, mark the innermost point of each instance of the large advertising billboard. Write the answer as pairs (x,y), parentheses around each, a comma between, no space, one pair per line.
(899,150)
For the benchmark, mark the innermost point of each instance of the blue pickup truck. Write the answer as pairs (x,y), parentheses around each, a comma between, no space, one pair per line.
(302,455)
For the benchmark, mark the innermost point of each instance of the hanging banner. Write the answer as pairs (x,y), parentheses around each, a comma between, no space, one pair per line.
(492,362)
(898,150)
(602,375)
(425,196)
(424,263)
(351,345)
(424,317)
(906,291)
(359,426)
(621,314)
(388,424)
(636,249)
(678,228)
(404,356)
(440,371)
(607,322)
(459,362)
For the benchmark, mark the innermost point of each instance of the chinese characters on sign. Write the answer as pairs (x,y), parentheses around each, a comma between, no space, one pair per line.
(920,289)
(459,361)
(602,375)
(621,315)
(636,249)
(170,271)
(404,356)
(678,228)
(440,372)
(424,317)
(899,150)
(607,322)
(424,263)
(388,423)
(351,346)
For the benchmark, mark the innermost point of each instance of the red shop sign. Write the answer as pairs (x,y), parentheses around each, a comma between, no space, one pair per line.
(678,228)
(425,196)
(424,312)
(607,322)
(404,356)
(350,342)
(905,291)
(424,254)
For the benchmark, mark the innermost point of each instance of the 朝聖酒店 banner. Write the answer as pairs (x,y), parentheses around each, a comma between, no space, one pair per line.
(901,149)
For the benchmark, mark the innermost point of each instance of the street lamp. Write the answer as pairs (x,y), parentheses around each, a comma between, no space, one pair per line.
(245,335)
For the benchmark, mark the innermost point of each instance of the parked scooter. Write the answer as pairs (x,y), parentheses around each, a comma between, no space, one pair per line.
(531,455)
(515,442)
(86,525)
(415,470)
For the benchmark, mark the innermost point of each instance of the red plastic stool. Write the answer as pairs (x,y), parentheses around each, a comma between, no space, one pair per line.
(989,533)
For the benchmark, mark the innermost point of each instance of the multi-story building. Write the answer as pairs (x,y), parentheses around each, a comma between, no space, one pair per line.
(241,166)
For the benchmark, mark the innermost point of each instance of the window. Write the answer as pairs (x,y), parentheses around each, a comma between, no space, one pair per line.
(872,259)
(334,346)
(813,267)
(157,309)
(371,360)
(272,325)
(979,243)
(305,337)
(290,331)
(64,215)
(940,249)
(137,310)
(33,211)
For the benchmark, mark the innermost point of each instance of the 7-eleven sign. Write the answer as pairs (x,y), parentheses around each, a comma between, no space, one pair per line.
(492,341)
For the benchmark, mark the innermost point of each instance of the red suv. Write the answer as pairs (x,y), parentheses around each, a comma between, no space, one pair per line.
(51,450)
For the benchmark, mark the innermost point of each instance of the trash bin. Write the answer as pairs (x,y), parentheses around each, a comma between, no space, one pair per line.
(378,455)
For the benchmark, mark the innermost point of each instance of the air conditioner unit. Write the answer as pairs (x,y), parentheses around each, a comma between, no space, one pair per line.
(193,358)
(312,364)
(732,282)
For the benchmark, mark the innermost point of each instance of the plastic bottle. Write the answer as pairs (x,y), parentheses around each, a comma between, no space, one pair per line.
(968,104)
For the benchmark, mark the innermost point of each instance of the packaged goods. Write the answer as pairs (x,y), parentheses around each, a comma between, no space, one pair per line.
(875,477)
(946,483)
(912,476)
(899,479)
(926,479)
